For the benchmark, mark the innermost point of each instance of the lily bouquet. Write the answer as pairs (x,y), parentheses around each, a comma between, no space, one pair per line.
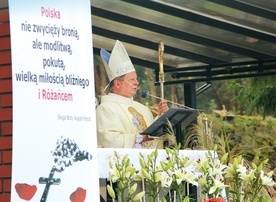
(169,179)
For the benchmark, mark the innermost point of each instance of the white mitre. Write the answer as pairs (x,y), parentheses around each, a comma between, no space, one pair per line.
(118,62)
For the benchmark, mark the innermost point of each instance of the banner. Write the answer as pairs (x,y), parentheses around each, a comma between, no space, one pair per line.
(54,127)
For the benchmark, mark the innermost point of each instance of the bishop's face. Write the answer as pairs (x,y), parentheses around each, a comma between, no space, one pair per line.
(127,86)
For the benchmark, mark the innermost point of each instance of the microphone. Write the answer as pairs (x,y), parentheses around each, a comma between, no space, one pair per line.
(146,94)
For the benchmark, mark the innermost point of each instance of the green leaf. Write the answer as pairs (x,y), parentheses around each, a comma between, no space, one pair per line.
(145,174)
(215,147)
(164,199)
(142,163)
(156,153)
(224,158)
(186,199)
(139,196)
(163,165)
(133,188)
(127,162)
(168,150)
(169,165)
(110,191)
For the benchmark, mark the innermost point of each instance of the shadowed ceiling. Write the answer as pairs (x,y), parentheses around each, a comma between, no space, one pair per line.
(204,40)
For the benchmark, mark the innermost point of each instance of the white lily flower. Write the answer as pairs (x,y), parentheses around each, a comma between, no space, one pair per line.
(245,174)
(217,185)
(182,175)
(179,175)
(190,177)
(138,175)
(201,165)
(202,181)
(242,171)
(266,179)
(166,180)
(114,173)
(218,167)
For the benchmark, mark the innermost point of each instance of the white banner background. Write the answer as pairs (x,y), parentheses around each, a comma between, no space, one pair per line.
(40,115)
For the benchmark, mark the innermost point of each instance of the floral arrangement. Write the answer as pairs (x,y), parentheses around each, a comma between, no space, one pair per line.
(123,173)
(216,181)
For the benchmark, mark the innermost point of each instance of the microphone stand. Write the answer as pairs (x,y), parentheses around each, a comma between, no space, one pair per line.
(145,94)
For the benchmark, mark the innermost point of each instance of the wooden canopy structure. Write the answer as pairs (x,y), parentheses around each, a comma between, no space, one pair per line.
(205,40)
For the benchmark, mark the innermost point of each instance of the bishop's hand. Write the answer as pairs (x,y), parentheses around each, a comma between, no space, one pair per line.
(162,107)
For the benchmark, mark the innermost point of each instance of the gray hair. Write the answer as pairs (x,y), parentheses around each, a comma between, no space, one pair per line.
(120,78)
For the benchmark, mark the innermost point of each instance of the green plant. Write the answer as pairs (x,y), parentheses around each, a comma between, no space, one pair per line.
(241,182)
(123,173)
(178,168)
(247,182)
(211,178)
(151,174)
(253,138)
